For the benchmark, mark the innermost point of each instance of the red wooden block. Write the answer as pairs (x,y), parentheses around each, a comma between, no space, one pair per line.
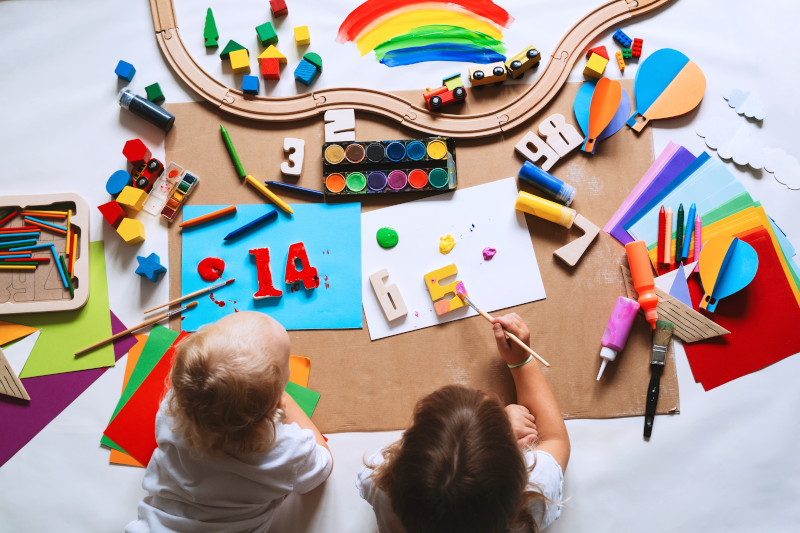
(279,8)
(271,68)
(636,49)
(112,212)
(599,50)
(136,152)
(306,273)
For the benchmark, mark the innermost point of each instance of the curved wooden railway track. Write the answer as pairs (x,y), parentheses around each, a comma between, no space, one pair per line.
(302,106)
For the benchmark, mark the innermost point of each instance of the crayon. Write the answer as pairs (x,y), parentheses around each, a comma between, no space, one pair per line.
(687,236)
(232,152)
(263,189)
(210,216)
(679,235)
(319,195)
(272,214)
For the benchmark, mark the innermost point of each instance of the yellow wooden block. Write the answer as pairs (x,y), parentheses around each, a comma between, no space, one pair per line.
(595,66)
(301,35)
(271,51)
(240,61)
(131,230)
(439,292)
(132,199)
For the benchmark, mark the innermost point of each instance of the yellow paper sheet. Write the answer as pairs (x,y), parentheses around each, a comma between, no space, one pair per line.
(10,332)
(117,457)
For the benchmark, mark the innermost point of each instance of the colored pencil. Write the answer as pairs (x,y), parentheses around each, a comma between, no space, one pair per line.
(251,225)
(8,215)
(40,222)
(192,295)
(29,234)
(679,234)
(319,195)
(136,327)
(210,216)
(232,152)
(45,214)
(18,267)
(661,222)
(69,278)
(263,189)
(687,235)
(668,237)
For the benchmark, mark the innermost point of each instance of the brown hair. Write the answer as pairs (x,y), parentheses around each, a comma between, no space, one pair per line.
(227,380)
(458,467)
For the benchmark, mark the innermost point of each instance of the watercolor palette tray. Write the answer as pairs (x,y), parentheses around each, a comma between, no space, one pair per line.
(372,167)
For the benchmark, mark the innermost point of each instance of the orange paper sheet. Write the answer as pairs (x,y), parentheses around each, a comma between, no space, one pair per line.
(9,332)
(117,457)
(299,369)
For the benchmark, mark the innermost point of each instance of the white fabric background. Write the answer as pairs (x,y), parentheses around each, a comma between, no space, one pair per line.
(728,462)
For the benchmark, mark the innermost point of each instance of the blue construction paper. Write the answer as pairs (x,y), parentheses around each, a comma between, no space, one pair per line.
(681,159)
(583,101)
(680,288)
(709,187)
(653,76)
(332,237)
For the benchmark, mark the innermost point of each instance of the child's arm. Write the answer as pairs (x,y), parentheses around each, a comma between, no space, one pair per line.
(295,414)
(532,389)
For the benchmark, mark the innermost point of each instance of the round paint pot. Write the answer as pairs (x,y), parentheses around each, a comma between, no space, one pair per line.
(397,180)
(376,181)
(437,149)
(396,151)
(334,154)
(415,150)
(375,152)
(418,178)
(356,181)
(438,178)
(354,153)
(335,182)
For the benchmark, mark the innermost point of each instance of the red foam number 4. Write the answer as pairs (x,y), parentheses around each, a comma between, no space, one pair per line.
(307,274)
(265,287)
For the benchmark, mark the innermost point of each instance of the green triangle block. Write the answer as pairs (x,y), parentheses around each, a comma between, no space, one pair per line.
(230,47)
(314,59)
(210,33)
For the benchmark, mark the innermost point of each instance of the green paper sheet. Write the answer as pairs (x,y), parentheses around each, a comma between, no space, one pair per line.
(66,332)
(306,398)
(158,343)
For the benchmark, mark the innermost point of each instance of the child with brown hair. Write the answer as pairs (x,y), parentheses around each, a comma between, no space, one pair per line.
(231,443)
(467,464)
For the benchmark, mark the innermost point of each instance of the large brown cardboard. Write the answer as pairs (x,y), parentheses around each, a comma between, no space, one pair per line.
(370,386)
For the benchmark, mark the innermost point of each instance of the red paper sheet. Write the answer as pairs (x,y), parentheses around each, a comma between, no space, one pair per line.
(133,429)
(762,318)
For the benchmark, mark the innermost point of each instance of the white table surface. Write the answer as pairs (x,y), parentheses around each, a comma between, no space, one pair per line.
(728,462)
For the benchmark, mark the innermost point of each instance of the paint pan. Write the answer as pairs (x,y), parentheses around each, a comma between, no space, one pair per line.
(376,181)
(397,180)
(335,182)
(437,149)
(395,151)
(354,153)
(356,181)
(334,154)
(375,152)
(438,178)
(415,150)
(418,178)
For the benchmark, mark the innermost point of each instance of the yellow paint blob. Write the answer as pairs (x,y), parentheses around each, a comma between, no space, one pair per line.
(446,244)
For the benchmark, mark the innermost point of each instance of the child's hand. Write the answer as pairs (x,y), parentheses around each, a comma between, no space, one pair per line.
(511,353)
(523,424)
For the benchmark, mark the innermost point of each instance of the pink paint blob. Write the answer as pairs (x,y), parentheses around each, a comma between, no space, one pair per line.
(488,253)
(460,289)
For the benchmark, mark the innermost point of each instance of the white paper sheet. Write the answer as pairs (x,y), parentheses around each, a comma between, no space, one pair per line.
(477,217)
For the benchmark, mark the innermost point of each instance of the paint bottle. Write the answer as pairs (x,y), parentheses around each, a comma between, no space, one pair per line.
(547,183)
(537,206)
(643,282)
(144,108)
(617,330)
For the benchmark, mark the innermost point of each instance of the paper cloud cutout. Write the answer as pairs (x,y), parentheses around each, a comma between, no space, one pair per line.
(746,103)
(732,140)
(785,167)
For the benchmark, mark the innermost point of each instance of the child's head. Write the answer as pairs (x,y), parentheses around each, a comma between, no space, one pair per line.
(227,380)
(457,468)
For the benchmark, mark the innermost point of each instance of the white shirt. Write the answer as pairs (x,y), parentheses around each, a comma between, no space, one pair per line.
(201,494)
(546,475)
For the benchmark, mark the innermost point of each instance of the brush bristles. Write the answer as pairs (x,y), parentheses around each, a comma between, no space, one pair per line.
(663,332)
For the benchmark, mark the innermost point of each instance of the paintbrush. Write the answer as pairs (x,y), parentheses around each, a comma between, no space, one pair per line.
(461,291)
(192,295)
(661,338)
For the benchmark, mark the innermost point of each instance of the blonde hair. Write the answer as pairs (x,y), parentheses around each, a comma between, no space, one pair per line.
(458,468)
(227,380)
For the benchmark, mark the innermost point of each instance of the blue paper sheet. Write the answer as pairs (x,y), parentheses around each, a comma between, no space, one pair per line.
(332,238)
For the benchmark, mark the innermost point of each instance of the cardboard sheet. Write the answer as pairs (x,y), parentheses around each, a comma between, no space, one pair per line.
(331,237)
(373,385)
(464,215)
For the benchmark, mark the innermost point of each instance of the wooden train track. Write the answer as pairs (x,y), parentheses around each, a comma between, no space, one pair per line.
(505,118)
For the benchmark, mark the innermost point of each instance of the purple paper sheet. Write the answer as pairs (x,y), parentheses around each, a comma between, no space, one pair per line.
(677,163)
(50,395)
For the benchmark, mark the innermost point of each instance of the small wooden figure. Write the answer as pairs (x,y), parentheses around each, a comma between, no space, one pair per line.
(278,8)
(131,231)
(305,273)
(340,125)
(270,68)
(265,287)
(623,40)
(301,36)
(620,61)
(210,33)
(595,66)
(271,51)
(150,267)
(240,61)
(230,47)
(136,152)
(572,252)
(131,200)
(294,150)
(389,297)
(561,136)
(124,70)
(250,84)
(438,291)
(636,48)
(266,34)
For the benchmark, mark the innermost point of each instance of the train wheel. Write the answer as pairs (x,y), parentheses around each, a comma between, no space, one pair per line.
(459,93)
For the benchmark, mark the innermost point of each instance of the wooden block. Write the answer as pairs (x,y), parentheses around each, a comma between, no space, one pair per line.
(117,181)
(210,33)
(438,291)
(340,125)
(600,50)
(131,231)
(136,152)
(389,297)
(112,212)
(270,68)
(131,200)
(124,70)
(154,93)
(10,385)
(543,150)
(250,84)
(278,8)
(271,51)
(561,136)
(305,72)
(572,252)
(301,36)
(266,34)
(230,47)
(240,61)
(595,66)
(316,60)
(294,150)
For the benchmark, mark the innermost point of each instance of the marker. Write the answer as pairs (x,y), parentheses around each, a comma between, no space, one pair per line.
(679,235)
(251,225)
(687,237)
(617,330)
(668,237)
(260,187)
(537,206)
(232,152)
(296,188)
(144,108)
(547,183)
(210,216)
(643,282)
(662,221)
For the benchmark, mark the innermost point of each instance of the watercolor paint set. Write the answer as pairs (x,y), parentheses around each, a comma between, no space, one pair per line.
(406,165)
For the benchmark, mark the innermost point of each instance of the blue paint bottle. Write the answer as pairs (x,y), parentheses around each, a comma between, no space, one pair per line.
(547,183)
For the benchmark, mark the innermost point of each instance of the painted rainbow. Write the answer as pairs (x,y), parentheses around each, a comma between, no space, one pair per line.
(403,32)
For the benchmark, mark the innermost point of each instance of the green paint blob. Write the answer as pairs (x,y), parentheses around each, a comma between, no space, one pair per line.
(387,237)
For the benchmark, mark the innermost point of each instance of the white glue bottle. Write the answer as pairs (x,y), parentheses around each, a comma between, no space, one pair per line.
(617,330)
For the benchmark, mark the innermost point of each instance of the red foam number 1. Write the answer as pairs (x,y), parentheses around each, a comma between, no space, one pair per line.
(307,274)
(265,287)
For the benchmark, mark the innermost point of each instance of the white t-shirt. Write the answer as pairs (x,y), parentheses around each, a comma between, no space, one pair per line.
(201,494)
(547,476)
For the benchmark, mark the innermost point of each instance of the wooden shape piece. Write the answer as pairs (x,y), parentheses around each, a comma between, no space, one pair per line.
(112,212)
(10,385)
(389,297)
(150,267)
(136,152)
(240,61)
(340,125)
(294,150)
(306,273)
(131,200)
(301,36)
(572,252)
(272,52)
(278,8)
(131,231)
(561,136)
(270,68)
(439,292)
(266,34)
(265,286)
(543,150)
(595,66)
